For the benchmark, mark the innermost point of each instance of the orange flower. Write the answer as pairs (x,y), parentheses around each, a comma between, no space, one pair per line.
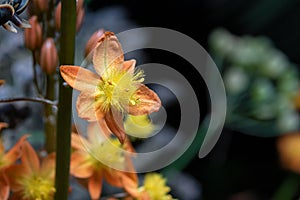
(116,89)
(2,82)
(288,146)
(97,157)
(32,180)
(6,160)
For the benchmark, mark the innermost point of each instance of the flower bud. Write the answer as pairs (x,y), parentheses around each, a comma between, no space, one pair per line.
(49,57)
(92,42)
(33,35)
(57,16)
(42,5)
(79,18)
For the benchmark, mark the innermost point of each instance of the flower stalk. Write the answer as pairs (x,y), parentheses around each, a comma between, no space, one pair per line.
(63,142)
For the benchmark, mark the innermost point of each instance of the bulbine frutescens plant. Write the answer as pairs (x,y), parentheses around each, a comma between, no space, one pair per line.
(106,98)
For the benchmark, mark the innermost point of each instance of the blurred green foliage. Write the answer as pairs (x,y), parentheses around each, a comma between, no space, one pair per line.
(260,81)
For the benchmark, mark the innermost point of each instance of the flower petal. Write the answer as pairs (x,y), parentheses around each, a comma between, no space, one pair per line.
(130,185)
(29,158)
(148,102)
(4,187)
(14,174)
(113,177)
(107,53)
(95,185)
(15,152)
(80,165)
(48,166)
(114,121)
(95,133)
(104,129)
(129,65)
(78,142)
(86,106)
(80,78)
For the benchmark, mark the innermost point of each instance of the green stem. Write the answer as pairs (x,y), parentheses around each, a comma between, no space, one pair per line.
(288,188)
(50,116)
(31,99)
(35,80)
(63,142)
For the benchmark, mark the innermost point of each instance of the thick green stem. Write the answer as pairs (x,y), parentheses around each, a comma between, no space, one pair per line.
(50,116)
(63,142)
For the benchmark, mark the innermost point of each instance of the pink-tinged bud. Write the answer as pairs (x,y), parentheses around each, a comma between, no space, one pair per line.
(57,16)
(79,4)
(36,7)
(79,18)
(49,56)
(92,42)
(33,35)
(42,5)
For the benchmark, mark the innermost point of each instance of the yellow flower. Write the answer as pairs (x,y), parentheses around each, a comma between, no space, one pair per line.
(138,126)
(155,186)
(114,91)
(91,156)
(32,180)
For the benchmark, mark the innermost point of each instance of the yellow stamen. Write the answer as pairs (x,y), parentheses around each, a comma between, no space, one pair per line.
(114,158)
(117,88)
(156,187)
(37,188)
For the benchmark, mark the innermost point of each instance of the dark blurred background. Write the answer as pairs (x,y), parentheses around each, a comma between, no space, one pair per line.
(240,166)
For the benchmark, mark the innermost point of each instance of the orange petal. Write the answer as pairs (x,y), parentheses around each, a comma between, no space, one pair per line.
(148,102)
(78,142)
(48,166)
(107,53)
(113,177)
(81,167)
(129,65)
(4,187)
(95,185)
(86,106)
(15,152)
(29,157)
(95,133)
(130,185)
(79,78)
(104,129)
(14,174)
(114,121)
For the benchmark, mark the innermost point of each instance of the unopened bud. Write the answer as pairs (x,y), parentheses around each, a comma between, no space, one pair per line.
(33,35)
(42,5)
(49,57)
(79,18)
(92,42)
(57,16)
